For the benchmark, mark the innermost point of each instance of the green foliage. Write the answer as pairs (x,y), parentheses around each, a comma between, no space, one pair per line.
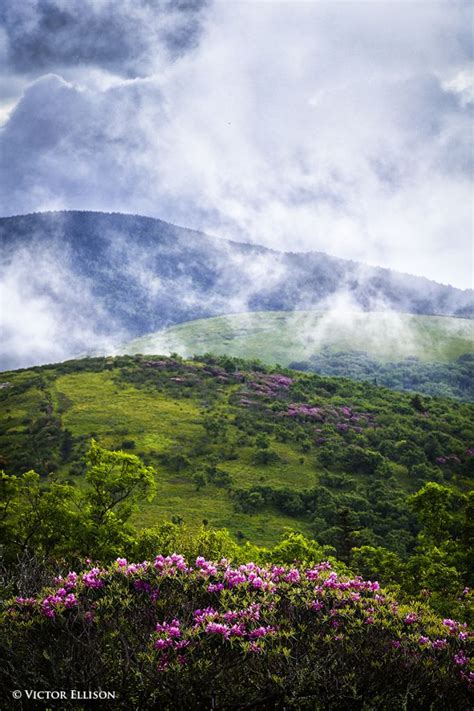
(215,426)
(199,478)
(55,519)
(116,483)
(129,444)
(35,517)
(434,378)
(175,461)
(377,563)
(383,491)
(227,436)
(435,507)
(265,456)
(294,548)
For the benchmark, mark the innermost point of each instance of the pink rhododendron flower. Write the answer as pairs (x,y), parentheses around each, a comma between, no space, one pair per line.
(293,576)
(92,580)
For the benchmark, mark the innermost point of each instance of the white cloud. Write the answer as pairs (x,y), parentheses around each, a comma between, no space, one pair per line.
(462,84)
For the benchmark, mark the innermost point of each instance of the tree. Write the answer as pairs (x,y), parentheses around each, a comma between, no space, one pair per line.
(35,518)
(376,563)
(67,445)
(176,461)
(417,403)
(51,518)
(434,506)
(262,441)
(265,456)
(215,426)
(117,481)
(345,538)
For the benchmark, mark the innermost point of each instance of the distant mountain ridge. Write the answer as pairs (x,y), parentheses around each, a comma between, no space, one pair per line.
(132,275)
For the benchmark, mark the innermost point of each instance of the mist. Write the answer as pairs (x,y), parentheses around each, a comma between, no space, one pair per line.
(335,325)
(49,313)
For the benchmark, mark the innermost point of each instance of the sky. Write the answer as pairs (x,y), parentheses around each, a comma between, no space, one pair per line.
(343,127)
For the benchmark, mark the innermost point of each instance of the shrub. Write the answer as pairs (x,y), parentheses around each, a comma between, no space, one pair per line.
(168,634)
(265,456)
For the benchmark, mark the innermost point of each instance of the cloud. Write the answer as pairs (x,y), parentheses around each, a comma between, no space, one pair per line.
(338,127)
(462,84)
(129,37)
(68,147)
(73,283)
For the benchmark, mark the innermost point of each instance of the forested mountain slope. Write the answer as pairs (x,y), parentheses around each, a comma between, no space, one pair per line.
(91,279)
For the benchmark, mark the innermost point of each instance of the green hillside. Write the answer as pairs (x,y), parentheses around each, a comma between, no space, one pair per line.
(285,336)
(428,354)
(243,447)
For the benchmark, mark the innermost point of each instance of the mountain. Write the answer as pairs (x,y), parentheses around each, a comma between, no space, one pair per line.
(284,336)
(88,280)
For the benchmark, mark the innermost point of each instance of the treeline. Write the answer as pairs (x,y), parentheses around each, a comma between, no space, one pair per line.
(453,379)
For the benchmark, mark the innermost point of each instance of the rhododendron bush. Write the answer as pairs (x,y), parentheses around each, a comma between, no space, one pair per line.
(171,633)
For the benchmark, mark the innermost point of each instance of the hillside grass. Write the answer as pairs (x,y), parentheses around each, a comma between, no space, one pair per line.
(98,407)
(286,336)
(126,403)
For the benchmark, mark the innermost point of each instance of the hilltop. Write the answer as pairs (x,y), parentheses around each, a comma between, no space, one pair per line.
(91,280)
(428,354)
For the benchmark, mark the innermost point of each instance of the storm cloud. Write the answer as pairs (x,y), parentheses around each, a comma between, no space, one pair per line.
(127,37)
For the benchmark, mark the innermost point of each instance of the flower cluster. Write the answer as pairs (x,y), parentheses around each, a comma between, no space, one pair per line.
(26,601)
(196,606)
(53,604)
(458,629)
(170,565)
(269,385)
(92,579)
(342,418)
(306,412)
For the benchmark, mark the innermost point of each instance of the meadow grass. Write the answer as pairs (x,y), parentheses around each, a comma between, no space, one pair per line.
(100,407)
